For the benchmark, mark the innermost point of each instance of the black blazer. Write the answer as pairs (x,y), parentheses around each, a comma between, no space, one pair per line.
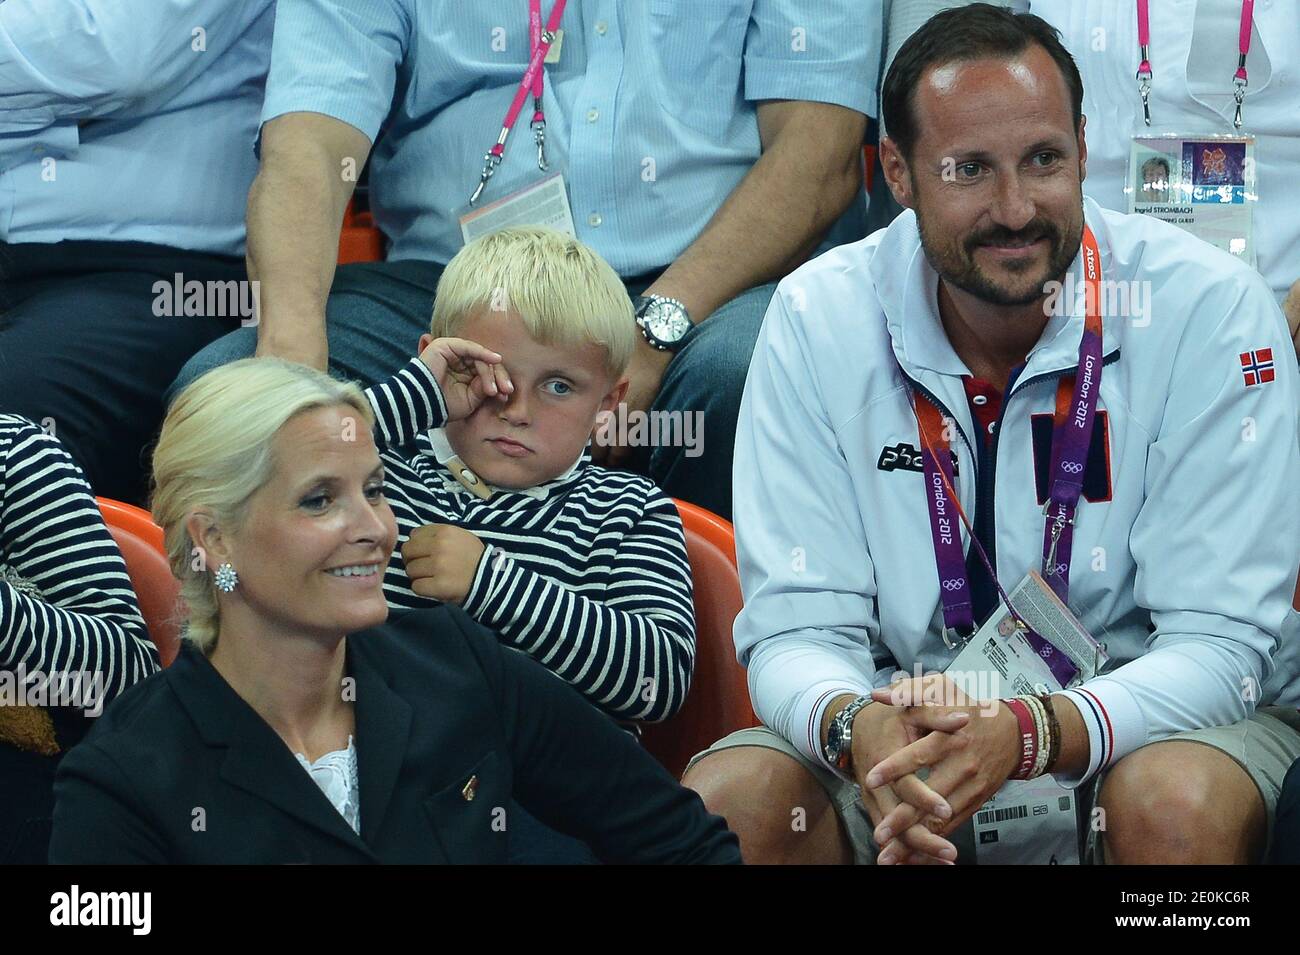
(450,727)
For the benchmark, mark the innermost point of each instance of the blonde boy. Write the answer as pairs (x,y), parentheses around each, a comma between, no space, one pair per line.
(502,510)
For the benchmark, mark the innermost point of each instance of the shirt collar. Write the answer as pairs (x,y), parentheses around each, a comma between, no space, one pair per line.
(443,453)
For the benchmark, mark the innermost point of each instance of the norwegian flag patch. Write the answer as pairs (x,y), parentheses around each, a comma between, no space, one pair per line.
(1257,366)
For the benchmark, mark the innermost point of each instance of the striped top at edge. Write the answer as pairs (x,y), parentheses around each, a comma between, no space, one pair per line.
(66,603)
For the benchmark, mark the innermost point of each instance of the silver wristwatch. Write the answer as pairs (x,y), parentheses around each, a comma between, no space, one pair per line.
(839,735)
(664,321)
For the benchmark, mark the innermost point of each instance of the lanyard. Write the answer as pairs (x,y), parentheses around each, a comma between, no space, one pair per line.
(1076,411)
(1144,74)
(534,42)
(539,42)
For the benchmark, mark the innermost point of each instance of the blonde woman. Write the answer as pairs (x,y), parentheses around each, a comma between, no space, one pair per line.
(299,723)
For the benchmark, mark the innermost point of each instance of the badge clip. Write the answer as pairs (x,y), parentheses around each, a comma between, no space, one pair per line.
(1058,526)
(1144,90)
(1239,94)
(539,136)
(491,159)
(947,642)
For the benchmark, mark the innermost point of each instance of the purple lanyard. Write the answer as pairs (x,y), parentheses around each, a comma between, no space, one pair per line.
(1071,438)
(1144,72)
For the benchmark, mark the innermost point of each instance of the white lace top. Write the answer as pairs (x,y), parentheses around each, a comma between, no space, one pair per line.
(336,775)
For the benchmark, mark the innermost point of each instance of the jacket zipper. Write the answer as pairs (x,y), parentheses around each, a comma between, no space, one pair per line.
(930,396)
(984,484)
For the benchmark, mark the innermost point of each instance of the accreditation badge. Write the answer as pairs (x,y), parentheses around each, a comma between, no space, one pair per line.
(1027,821)
(1203,183)
(539,201)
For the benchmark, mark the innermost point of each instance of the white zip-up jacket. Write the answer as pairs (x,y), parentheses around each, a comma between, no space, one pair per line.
(1185,572)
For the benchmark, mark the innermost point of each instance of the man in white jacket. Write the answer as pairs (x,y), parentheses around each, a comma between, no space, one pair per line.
(1186,537)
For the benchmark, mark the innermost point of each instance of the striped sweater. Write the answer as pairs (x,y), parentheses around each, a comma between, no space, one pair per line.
(66,603)
(586,573)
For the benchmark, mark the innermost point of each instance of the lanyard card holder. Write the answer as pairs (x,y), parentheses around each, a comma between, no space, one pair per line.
(1203,183)
(1030,821)
(537,201)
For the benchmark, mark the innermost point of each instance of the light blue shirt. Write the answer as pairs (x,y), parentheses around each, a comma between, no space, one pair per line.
(130,120)
(650,110)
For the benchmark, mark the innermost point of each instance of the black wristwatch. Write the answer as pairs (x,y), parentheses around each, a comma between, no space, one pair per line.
(663,321)
(839,735)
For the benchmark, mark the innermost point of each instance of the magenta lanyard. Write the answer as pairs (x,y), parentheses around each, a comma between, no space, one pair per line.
(539,42)
(1144,72)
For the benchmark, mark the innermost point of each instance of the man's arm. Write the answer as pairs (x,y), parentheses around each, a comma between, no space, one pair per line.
(295,212)
(810,170)
(809,173)
(333,72)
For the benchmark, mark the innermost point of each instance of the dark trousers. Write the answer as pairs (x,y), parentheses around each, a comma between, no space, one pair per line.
(83,353)
(1286,821)
(26,805)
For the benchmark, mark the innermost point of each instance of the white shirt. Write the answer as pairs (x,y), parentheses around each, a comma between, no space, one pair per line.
(1193,57)
(336,775)
(1186,572)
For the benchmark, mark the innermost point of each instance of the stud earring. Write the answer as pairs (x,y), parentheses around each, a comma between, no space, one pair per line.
(226,578)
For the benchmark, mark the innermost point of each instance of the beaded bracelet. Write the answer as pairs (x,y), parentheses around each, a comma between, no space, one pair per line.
(1046,741)
(1054,727)
(1040,727)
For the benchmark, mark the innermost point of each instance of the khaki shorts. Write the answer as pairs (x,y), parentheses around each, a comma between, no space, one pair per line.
(1265,746)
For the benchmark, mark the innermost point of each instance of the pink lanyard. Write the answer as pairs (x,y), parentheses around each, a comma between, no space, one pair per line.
(539,42)
(1144,68)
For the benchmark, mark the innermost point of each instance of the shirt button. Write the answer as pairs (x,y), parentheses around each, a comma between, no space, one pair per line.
(594,219)
(980,400)
(593,115)
(992,426)
(601,27)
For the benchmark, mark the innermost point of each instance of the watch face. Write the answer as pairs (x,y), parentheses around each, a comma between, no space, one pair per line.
(667,322)
(833,741)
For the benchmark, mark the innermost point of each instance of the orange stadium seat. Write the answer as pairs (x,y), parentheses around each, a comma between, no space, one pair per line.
(718,702)
(141,543)
(359,240)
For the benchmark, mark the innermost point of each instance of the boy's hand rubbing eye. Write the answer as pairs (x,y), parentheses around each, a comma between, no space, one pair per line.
(467,373)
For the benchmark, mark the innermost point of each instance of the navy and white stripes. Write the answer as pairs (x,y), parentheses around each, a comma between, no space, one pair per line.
(66,603)
(587,573)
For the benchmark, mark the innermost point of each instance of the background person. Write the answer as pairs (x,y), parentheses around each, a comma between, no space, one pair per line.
(126,131)
(66,608)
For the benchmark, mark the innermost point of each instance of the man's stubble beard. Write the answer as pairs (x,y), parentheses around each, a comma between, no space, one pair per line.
(955,263)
